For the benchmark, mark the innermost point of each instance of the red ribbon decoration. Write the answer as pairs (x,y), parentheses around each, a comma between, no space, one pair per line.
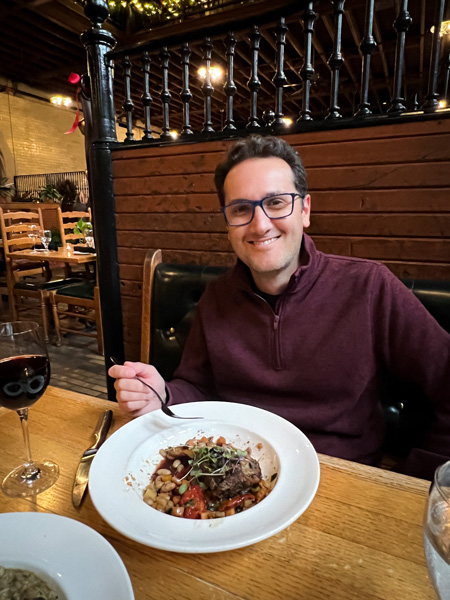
(75,79)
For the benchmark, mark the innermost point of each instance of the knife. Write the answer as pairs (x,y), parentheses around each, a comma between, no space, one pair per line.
(82,475)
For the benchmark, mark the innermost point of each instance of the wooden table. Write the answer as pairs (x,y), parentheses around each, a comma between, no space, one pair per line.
(360,539)
(61,256)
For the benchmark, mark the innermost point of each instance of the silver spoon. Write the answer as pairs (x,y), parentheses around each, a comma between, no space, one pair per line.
(166,410)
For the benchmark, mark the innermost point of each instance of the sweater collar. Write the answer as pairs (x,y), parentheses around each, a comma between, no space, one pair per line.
(302,279)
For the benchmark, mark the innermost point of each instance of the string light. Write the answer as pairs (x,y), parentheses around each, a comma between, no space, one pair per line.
(173,134)
(150,8)
(61,100)
(442,104)
(445,28)
(287,121)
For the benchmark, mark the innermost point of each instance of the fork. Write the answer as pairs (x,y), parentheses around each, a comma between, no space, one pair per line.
(166,410)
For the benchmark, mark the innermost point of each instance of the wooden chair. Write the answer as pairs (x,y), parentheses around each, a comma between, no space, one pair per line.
(67,222)
(169,299)
(25,278)
(82,303)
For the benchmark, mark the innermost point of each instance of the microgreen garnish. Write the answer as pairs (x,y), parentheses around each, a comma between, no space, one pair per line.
(214,462)
(183,487)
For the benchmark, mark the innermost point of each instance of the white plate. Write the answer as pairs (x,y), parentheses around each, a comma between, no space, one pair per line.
(123,465)
(76,561)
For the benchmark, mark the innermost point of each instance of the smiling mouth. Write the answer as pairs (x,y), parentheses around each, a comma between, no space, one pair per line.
(262,243)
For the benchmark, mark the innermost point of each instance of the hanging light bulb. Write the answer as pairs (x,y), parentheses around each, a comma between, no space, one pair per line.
(445,28)
(215,73)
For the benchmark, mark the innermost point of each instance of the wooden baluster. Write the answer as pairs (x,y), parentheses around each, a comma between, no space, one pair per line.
(253,83)
(186,95)
(165,94)
(431,101)
(207,88)
(401,26)
(336,60)
(229,87)
(146,97)
(128,105)
(307,70)
(280,78)
(367,45)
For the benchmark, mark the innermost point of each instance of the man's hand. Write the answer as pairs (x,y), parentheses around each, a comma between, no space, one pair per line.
(132,395)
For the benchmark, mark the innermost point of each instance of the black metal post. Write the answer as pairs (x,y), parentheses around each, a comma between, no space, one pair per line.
(165,94)
(146,97)
(368,43)
(186,95)
(431,102)
(253,83)
(229,87)
(401,26)
(307,70)
(98,42)
(280,78)
(207,88)
(447,77)
(336,60)
(128,105)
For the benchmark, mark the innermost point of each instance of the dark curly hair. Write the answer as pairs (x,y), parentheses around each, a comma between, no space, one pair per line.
(258,146)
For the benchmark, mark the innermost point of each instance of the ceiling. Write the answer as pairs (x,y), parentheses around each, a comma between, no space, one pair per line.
(40,47)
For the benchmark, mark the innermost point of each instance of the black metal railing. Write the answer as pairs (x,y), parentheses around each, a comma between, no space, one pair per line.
(31,184)
(323,63)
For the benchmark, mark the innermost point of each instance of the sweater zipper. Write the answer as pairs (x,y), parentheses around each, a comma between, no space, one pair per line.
(275,337)
(276,340)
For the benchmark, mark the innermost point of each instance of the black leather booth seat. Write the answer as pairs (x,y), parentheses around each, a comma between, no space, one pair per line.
(177,288)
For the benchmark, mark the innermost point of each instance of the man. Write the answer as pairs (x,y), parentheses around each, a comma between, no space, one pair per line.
(297,332)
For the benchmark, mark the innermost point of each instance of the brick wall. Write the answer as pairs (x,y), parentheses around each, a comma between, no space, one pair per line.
(32,137)
(377,192)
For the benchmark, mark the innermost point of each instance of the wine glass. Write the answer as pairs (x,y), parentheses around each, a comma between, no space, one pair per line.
(89,237)
(46,238)
(24,376)
(34,234)
(436,531)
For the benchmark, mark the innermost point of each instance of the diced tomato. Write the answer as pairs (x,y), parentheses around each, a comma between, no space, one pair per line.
(235,501)
(197,503)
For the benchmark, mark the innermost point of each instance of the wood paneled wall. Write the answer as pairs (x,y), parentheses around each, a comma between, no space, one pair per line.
(377,192)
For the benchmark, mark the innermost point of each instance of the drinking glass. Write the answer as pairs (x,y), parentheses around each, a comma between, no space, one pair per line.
(436,531)
(89,237)
(24,376)
(34,234)
(46,238)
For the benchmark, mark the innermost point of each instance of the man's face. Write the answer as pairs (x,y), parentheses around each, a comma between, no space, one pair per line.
(270,248)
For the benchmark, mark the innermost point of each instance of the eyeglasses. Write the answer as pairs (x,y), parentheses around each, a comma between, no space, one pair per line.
(241,212)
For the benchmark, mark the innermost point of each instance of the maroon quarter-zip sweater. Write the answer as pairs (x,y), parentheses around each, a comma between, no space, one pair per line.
(317,358)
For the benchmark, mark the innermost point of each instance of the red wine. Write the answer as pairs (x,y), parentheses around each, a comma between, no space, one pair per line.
(23,380)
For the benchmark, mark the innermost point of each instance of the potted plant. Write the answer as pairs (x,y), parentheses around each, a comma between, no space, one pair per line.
(69,193)
(82,227)
(49,193)
(7,190)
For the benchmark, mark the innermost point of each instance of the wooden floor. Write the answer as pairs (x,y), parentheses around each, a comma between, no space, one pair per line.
(75,365)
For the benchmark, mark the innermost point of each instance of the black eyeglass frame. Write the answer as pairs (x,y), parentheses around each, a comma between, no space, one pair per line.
(255,203)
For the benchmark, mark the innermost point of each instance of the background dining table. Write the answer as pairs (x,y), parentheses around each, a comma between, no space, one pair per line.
(361,537)
(60,256)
